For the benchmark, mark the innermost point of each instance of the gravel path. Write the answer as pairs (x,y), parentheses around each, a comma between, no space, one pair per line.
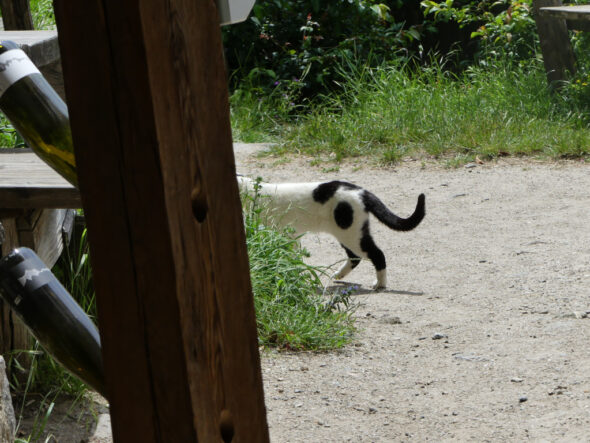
(483,333)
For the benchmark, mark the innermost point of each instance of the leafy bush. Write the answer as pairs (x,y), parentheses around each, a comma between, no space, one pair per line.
(296,46)
(503,26)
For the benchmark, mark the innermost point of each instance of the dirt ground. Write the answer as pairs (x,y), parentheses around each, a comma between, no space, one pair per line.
(483,333)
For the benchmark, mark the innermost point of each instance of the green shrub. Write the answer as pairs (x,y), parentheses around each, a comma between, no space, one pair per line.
(297,46)
(291,310)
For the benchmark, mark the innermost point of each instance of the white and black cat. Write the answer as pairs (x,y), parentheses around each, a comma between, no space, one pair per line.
(338,208)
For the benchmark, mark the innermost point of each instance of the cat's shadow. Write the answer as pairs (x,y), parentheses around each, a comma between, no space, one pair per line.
(340,286)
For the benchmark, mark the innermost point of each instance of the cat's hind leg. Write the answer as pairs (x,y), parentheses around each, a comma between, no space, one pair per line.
(376,256)
(351,262)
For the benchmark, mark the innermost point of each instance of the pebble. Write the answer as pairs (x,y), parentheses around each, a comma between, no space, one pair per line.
(439,336)
(516,380)
(522,399)
(392,320)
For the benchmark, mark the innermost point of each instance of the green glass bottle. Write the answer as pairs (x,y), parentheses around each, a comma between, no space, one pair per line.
(36,111)
(52,315)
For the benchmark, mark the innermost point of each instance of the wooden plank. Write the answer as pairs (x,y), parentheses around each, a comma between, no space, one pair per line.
(16,14)
(157,178)
(571,12)
(42,47)
(558,55)
(27,182)
(42,231)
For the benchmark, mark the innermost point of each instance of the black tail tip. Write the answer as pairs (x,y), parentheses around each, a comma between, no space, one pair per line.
(421,201)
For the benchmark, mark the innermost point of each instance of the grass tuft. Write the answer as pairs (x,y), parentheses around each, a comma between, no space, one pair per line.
(291,311)
(391,112)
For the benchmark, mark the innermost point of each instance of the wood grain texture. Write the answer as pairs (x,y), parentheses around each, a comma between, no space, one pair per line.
(558,55)
(571,12)
(13,333)
(577,17)
(164,219)
(27,182)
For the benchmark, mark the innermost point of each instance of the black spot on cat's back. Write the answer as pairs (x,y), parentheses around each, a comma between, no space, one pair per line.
(343,215)
(325,191)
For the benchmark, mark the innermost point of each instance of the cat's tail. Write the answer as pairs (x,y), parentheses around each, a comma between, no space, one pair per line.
(388,218)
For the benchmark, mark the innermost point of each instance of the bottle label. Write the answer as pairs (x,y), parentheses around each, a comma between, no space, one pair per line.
(14,65)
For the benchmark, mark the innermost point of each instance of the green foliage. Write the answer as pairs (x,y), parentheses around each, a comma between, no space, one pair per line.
(396,111)
(42,12)
(505,26)
(291,312)
(296,46)
(9,138)
(74,272)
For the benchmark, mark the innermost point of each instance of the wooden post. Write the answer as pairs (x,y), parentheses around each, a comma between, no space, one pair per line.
(16,15)
(558,55)
(146,88)
(13,335)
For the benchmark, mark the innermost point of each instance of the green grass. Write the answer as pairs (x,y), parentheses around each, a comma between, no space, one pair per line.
(292,311)
(42,12)
(390,112)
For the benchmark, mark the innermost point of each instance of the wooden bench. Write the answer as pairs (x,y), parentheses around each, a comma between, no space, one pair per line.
(553,22)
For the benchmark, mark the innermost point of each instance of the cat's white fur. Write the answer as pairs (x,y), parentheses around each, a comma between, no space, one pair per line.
(292,204)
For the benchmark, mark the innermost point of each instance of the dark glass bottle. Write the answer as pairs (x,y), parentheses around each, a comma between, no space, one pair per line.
(52,315)
(36,111)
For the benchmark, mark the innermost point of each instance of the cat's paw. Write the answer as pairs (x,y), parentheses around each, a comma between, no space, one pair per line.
(379,285)
(342,272)
(381,281)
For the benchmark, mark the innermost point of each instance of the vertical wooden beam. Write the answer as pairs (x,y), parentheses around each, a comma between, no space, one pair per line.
(16,15)
(146,88)
(13,334)
(558,55)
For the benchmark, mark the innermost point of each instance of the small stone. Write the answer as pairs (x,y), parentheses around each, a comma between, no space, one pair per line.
(391,320)
(372,410)
(470,165)
(438,336)
(522,399)
(516,380)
